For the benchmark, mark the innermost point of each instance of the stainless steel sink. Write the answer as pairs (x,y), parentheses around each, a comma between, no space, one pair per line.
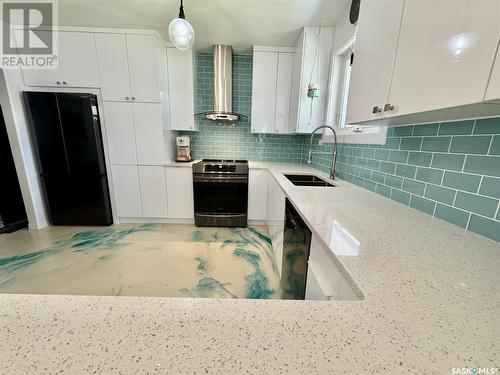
(307,180)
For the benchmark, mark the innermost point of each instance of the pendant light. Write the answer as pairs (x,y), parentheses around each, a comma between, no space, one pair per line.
(181,32)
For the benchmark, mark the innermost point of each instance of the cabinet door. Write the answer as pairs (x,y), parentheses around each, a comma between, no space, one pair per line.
(180,192)
(295,90)
(374,51)
(40,77)
(447,63)
(118,120)
(257,194)
(78,59)
(264,76)
(153,191)
(180,89)
(142,51)
(113,66)
(127,191)
(276,219)
(283,88)
(148,133)
(493,91)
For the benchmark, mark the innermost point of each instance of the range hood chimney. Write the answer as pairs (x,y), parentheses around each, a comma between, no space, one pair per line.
(223,77)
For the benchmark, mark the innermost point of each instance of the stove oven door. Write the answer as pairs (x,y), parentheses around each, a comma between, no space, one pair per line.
(220,200)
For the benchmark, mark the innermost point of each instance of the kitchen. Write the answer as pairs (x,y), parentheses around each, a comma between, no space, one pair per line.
(364,246)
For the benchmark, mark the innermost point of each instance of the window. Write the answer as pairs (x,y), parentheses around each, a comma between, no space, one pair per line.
(337,100)
(338,87)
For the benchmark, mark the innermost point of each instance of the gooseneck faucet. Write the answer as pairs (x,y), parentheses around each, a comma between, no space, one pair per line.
(334,161)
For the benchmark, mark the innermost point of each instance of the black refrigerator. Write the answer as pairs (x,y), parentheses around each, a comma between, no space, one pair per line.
(66,134)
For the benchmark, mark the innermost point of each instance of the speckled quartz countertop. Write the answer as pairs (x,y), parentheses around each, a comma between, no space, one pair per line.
(431,304)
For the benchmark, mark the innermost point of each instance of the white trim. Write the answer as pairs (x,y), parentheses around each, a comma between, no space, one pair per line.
(273,49)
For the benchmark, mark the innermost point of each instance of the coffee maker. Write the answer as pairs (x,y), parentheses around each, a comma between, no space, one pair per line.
(183,149)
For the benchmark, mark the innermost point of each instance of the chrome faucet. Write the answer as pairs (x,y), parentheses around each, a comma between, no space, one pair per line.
(334,161)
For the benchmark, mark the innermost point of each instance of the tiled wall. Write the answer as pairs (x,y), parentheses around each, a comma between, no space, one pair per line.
(223,140)
(449,170)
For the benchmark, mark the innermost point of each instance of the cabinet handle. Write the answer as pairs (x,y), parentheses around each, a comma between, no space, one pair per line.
(127,98)
(133,97)
(64,83)
(58,82)
(388,107)
(376,109)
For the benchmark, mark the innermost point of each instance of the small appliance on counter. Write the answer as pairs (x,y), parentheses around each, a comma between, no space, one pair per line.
(183,145)
(220,193)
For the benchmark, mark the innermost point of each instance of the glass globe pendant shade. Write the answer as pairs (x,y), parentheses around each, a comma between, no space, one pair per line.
(181,34)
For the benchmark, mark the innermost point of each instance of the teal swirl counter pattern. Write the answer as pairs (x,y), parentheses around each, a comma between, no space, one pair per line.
(144,260)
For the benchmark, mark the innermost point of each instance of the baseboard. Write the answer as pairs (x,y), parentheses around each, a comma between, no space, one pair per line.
(154,220)
(257,222)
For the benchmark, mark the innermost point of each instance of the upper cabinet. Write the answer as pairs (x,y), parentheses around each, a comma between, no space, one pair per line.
(403,72)
(448,62)
(373,59)
(77,64)
(128,66)
(310,65)
(181,89)
(280,80)
(271,82)
(493,91)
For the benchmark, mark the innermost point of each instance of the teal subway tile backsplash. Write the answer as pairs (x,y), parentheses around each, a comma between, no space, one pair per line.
(449,170)
(224,140)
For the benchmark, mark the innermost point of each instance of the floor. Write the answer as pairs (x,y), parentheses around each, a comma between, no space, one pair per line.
(140,260)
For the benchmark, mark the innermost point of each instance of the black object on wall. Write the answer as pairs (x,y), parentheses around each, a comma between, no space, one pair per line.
(12,211)
(66,132)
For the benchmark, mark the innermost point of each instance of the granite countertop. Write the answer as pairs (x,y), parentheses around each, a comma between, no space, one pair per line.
(431,302)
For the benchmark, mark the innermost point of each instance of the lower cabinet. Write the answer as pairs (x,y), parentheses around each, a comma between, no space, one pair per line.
(180,192)
(127,190)
(257,194)
(324,279)
(153,191)
(276,218)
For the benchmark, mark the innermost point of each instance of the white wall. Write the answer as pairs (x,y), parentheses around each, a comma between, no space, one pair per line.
(343,31)
(16,122)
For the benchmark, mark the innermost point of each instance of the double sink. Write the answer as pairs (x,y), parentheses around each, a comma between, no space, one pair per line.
(307,180)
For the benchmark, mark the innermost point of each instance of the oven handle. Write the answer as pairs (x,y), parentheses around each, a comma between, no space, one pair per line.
(222,179)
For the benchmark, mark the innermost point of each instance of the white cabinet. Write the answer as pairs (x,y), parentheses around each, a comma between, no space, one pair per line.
(271,85)
(306,114)
(113,66)
(181,89)
(374,52)
(276,218)
(77,64)
(148,133)
(78,59)
(180,192)
(127,191)
(142,52)
(257,194)
(283,89)
(128,66)
(153,191)
(264,76)
(325,281)
(448,62)
(493,91)
(134,133)
(120,134)
(405,73)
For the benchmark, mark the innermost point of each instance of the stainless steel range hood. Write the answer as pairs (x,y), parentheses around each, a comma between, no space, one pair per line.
(223,76)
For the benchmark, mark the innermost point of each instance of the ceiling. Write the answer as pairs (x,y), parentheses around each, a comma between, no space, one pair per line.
(241,23)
